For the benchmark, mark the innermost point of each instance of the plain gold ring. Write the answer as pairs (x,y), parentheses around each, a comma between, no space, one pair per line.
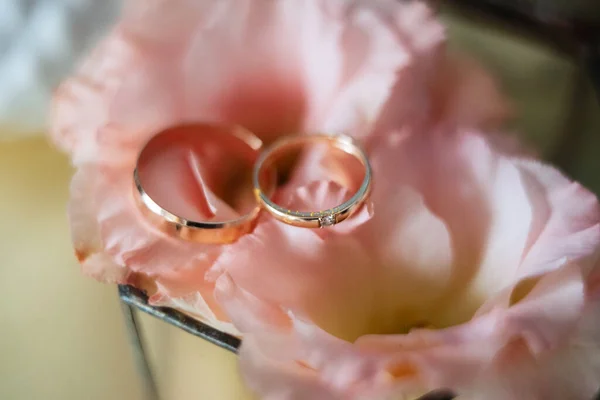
(210,232)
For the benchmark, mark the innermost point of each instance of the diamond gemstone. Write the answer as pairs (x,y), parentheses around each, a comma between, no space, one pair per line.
(327,220)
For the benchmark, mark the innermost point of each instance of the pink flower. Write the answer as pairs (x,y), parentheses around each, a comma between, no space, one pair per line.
(372,69)
(477,272)
(275,67)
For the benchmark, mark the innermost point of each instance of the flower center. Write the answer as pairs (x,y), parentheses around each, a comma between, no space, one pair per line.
(374,307)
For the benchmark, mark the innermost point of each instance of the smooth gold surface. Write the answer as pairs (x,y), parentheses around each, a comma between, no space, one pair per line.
(213,232)
(317,218)
(62,333)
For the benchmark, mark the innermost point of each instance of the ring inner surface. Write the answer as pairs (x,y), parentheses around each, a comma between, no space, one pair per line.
(200,172)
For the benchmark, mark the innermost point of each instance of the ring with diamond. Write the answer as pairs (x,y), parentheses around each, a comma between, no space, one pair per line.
(314,219)
(167,212)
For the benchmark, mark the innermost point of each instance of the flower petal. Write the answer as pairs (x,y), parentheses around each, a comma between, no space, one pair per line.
(567,221)
(467,95)
(274,67)
(171,270)
(69,130)
(328,276)
(328,61)
(195,304)
(274,381)
(414,249)
(177,21)
(100,105)
(131,240)
(380,40)
(550,310)
(510,216)
(291,266)
(249,312)
(570,371)
(478,195)
(454,188)
(85,231)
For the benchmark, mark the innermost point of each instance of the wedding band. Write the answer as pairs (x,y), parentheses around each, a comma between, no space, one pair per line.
(315,219)
(209,232)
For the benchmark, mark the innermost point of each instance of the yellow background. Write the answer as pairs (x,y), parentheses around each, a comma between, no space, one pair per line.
(62,334)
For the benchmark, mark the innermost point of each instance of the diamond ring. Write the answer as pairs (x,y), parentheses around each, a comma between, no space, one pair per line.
(311,219)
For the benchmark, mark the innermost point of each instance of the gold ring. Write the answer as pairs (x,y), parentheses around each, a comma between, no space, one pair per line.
(314,219)
(210,232)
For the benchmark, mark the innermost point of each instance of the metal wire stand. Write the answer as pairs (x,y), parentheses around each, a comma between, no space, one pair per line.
(133,300)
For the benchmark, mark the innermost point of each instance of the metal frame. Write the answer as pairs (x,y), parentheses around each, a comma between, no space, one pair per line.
(136,342)
(136,299)
(133,299)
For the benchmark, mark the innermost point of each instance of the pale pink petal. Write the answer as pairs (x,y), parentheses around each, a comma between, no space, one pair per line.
(79,107)
(195,305)
(103,268)
(425,360)
(476,193)
(568,221)
(379,51)
(331,66)
(143,104)
(328,271)
(569,371)
(130,239)
(510,216)
(275,67)
(423,36)
(293,266)
(550,310)
(166,25)
(275,381)
(326,276)
(511,144)
(85,231)
(172,281)
(226,76)
(450,206)
(446,91)
(323,364)
(420,30)
(100,105)
(426,225)
(467,95)
(356,372)
(171,269)
(128,89)
(249,312)
(413,248)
